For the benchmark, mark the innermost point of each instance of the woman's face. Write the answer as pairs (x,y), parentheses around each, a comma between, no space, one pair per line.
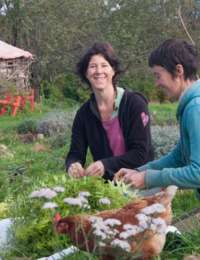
(99,73)
(172,86)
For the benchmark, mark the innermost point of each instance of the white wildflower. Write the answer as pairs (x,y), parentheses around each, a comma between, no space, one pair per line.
(86,206)
(59,189)
(79,201)
(73,201)
(94,219)
(102,229)
(154,208)
(128,226)
(111,233)
(158,225)
(144,221)
(84,194)
(101,226)
(49,205)
(126,234)
(130,230)
(83,200)
(101,244)
(122,244)
(34,194)
(112,222)
(100,234)
(44,192)
(104,201)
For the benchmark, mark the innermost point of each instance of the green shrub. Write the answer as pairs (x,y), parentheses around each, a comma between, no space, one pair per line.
(58,140)
(145,86)
(27,126)
(164,139)
(55,122)
(72,87)
(65,86)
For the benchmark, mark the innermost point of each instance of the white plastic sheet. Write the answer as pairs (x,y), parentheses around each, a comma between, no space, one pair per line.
(5,224)
(60,255)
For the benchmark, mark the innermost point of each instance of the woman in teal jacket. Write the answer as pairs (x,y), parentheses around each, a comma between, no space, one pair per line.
(174,64)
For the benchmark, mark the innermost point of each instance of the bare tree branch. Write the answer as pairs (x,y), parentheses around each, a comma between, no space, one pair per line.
(184,26)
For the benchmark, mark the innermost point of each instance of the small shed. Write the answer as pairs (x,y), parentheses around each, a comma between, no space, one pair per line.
(14,67)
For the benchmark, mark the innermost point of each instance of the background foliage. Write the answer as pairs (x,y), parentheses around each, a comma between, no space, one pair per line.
(57,33)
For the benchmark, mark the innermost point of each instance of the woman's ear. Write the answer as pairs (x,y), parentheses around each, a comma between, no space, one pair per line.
(179,70)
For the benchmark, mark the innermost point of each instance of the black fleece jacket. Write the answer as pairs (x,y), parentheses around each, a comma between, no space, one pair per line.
(87,131)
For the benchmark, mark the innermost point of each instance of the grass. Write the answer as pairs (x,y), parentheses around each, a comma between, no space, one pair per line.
(163,114)
(21,174)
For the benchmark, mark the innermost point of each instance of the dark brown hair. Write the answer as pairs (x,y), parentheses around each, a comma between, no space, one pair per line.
(106,50)
(176,51)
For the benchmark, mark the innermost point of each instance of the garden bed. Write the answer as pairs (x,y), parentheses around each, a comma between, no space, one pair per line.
(29,169)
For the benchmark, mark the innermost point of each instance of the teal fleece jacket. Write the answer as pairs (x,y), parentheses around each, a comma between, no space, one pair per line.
(181,167)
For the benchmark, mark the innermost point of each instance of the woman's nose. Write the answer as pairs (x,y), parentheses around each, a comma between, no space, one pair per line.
(98,69)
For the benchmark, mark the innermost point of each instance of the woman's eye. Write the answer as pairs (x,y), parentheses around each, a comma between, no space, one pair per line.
(92,66)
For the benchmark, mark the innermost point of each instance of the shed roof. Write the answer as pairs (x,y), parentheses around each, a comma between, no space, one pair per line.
(8,51)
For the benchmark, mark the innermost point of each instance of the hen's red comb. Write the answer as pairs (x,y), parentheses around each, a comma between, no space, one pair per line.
(57,217)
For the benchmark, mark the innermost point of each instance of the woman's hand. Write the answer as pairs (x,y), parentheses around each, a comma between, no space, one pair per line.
(133,177)
(95,169)
(76,170)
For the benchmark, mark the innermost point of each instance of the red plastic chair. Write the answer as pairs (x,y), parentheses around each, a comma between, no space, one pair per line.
(4,103)
(30,97)
(16,102)
(15,105)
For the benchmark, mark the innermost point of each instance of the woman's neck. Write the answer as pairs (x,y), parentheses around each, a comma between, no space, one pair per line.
(105,103)
(187,84)
(105,97)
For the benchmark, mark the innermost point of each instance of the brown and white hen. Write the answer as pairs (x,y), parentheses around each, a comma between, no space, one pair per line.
(137,229)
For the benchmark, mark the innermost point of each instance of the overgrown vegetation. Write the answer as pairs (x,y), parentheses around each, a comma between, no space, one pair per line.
(33,230)
(40,163)
(51,31)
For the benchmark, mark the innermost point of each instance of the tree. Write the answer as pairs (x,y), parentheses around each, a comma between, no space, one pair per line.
(57,32)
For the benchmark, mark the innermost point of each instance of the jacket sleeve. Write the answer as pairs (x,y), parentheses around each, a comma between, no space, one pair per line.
(172,159)
(187,176)
(78,147)
(136,122)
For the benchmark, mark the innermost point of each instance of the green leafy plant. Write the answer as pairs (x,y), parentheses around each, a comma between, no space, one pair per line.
(27,126)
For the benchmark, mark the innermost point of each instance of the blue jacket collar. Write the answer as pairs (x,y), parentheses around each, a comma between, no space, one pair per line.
(191,93)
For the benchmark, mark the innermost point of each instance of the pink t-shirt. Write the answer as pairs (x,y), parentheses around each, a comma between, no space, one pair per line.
(115,136)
